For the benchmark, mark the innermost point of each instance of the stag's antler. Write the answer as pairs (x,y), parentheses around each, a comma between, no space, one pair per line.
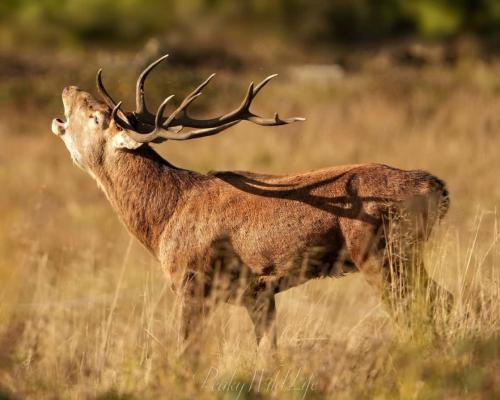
(138,124)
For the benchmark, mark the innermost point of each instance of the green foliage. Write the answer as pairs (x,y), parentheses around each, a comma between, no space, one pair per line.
(434,17)
(84,21)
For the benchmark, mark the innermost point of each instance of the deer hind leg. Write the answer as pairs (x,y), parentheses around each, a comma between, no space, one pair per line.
(392,263)
(410,292)
(405,237)
(403,284)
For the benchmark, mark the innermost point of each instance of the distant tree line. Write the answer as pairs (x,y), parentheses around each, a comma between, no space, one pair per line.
(304,20)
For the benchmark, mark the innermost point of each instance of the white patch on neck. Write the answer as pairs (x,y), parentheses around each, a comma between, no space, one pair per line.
(74,153)
(76,157)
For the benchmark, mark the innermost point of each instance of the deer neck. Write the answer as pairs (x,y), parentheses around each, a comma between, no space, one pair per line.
(144,189)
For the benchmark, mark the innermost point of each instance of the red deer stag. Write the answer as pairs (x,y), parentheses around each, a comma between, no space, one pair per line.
(238,236)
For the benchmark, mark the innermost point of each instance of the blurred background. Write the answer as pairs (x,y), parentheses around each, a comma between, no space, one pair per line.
(317,22)
(85,312)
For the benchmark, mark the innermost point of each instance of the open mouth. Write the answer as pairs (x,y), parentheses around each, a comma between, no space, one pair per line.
(58,126)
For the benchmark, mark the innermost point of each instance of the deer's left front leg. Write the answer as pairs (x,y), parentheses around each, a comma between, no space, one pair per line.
(194,306)
(261,308)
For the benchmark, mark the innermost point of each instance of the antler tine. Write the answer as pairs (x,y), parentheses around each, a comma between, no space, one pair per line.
(262,84)
(110,102)
(250,96)
(102,90)
(181,109)
(275,121)
(140,101)
(194,94)
(142,113)
(252,91)
(271,121)
(243,107)
(122,123)
(159,114)
(202,85)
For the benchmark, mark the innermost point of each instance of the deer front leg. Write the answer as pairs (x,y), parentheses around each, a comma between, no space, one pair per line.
(191,316)
(193,306)
(262,312)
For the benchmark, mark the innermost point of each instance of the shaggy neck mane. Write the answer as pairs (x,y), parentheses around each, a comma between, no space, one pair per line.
(144,189)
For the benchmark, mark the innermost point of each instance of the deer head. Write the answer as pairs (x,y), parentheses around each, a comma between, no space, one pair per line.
(94,127)
(88,127)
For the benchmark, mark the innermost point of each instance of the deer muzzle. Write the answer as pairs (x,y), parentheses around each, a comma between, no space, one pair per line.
(58,126)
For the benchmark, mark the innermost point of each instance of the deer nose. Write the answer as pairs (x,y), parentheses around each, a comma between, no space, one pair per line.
(70,89)
(58,127)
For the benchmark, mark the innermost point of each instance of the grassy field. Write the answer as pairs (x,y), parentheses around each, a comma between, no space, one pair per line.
(85,312)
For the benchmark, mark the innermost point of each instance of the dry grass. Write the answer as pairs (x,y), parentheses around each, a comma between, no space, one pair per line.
(86,313)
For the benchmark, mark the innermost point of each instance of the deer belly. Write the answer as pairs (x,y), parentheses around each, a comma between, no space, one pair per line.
(308,251)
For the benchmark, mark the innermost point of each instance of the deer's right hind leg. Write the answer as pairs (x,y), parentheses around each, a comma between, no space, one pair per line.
(391,259)
(402,282)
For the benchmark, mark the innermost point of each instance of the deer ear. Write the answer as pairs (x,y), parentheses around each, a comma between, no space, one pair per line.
(122,141)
